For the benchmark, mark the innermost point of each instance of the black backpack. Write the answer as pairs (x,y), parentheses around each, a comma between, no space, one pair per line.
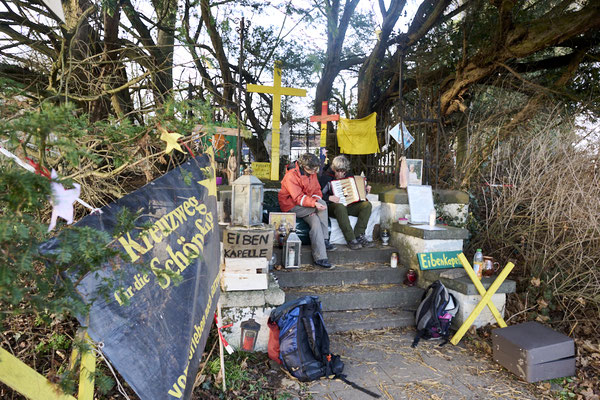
(435,313)
(304,342)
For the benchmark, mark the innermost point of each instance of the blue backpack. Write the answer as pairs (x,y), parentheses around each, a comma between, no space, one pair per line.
(303,340)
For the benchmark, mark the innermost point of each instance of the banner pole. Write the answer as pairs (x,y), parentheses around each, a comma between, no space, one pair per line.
(221,353)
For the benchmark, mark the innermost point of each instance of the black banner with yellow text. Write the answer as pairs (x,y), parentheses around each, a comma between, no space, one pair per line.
(154,328)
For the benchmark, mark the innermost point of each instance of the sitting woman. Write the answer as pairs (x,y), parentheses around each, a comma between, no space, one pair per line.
(301,194)
(356,238)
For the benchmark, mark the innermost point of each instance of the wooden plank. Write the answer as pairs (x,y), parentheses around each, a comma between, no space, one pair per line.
(219,130)
(246,265)
(481,289)
(237,282)
(485,301)
(87,367)
(22,378)
(86,373)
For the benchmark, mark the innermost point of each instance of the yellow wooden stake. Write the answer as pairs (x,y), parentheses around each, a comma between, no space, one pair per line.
(485,301)
(86,373)
(20,377)
(25,380)
(481,289)
(277,92)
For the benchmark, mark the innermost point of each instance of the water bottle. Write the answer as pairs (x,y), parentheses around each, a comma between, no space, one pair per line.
(478,263)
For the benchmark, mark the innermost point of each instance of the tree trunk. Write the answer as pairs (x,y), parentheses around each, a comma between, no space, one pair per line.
(336,33)
(226,98)
(367,77)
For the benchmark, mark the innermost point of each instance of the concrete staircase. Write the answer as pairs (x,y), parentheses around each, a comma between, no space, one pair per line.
(362,292)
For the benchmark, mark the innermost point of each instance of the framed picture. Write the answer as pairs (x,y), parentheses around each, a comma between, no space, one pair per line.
(276,218)
(415,171)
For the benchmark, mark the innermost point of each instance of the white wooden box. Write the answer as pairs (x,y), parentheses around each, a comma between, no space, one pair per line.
(245,274)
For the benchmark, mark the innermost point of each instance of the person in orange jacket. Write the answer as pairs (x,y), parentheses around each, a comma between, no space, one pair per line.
(301,194)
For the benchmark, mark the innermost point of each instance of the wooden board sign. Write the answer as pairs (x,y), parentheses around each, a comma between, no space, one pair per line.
(439,260)
(245,274)
(261,170)
(247,242)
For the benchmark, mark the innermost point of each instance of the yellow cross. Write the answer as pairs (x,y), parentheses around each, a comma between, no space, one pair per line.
(277,90)
(486,300)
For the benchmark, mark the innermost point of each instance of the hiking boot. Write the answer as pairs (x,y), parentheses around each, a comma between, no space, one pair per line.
(362,239)
(324,263)
(354,245)
(329,246)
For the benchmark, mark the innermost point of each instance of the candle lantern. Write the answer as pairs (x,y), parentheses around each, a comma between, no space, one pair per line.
(249,334)
(385,237)
(247,201)
(291,252)
(282,233)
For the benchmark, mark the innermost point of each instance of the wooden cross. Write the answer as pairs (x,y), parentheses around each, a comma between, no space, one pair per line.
(323,119)
(277,92)
(486,299)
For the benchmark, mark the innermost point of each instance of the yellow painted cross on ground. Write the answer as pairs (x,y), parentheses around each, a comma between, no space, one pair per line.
(277,92)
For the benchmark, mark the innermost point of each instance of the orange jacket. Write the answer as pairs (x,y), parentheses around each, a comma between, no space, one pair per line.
(298,189)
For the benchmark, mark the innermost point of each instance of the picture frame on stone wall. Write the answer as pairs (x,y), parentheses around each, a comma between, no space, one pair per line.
(276,218)
(414,171)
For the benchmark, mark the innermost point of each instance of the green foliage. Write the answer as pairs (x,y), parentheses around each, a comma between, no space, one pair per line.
(56,341)
(103,382)
(34,279)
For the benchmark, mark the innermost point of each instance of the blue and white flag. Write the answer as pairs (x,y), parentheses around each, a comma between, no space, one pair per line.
(408,138)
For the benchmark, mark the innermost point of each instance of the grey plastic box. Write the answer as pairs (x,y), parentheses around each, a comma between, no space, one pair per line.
(534,352)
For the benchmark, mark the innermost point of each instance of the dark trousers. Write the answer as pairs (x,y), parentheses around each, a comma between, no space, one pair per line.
(362,210)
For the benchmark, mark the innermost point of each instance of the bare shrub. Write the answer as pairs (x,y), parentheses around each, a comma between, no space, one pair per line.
(538,206)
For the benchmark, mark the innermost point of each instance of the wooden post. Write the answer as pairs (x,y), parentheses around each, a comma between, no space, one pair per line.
(22,378)
(86,369)
(221,352)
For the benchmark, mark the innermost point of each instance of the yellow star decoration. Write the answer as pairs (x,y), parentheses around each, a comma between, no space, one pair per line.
(170,139)
(210,183)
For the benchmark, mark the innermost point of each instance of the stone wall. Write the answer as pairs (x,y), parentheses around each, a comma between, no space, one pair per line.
(394,205)
(239,306)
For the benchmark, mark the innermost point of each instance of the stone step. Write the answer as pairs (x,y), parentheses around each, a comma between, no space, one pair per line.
(360,297)
(343,255)
(378,318)
(345,274)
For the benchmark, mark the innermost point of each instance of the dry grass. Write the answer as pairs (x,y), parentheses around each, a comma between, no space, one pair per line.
(544,217)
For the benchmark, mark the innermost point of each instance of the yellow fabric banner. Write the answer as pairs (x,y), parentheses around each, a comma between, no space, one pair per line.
(358,136)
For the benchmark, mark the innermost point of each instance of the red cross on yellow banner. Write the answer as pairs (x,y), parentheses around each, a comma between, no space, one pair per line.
(323,119)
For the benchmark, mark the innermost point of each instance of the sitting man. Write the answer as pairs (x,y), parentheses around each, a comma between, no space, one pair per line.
(356,239)
(301,194)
